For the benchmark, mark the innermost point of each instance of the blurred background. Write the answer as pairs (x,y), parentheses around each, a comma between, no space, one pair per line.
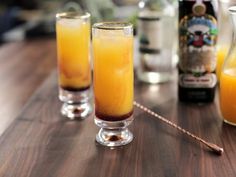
(22,19)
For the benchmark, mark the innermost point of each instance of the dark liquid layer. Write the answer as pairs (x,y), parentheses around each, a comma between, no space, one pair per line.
(112,118)
(73,89)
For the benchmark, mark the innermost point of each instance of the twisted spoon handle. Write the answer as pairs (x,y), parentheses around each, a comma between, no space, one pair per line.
(218,150)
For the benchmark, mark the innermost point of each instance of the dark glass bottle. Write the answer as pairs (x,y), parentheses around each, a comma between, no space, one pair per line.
(197,50)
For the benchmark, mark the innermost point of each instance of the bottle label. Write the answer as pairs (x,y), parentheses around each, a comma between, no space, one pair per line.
(197,44)
(190,81)
(150,34)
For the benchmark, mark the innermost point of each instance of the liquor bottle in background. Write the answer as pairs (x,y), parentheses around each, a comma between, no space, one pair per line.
(157,33)
(197,50)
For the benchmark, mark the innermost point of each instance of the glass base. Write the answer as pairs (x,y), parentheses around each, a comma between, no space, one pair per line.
(72,97)
(76,104)
(115,137)
(230,123)
(114,133)
(154,77)
(76,111)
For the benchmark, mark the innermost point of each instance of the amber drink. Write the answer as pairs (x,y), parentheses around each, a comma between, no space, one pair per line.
(113,82)
(74,72)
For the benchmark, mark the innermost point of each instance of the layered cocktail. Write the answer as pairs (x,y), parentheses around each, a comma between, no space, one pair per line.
(113,81)
(73,47)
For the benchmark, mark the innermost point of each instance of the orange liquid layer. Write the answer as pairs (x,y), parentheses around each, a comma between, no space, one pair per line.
(228,95)
(113,75)
(221,54)
(73,55)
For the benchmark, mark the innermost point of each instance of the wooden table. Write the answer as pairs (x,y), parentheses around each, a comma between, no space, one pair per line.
(37,141)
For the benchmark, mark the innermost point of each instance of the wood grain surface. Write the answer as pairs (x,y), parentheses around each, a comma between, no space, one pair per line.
(40,142)
(23,67)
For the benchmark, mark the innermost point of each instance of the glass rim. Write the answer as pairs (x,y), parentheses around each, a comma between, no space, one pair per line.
(73,15)
(112,25)
(232,9)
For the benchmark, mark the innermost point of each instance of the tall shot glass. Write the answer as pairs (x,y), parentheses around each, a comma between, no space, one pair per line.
(113,82)
(74,70)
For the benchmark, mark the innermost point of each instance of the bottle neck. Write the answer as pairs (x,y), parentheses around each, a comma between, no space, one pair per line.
(233,20)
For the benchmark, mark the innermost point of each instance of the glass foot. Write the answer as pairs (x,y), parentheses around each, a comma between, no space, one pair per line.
(76,111)
(114,137)
(154,77)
